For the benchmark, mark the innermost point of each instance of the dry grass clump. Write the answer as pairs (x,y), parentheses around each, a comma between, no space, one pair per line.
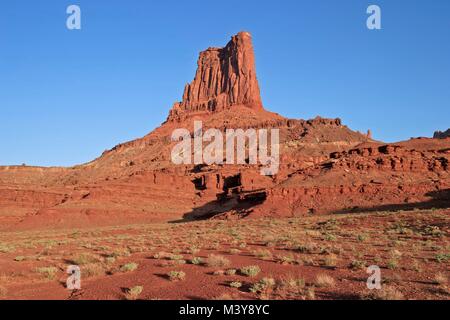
(386,293)
(357,265)
(93,270)
(330,261)
(3,292)
(288,288)
(250,271)
(176,275)
(225,296)
(230,272)
(196,260)
(48,272)
(129,267)
(20,258)
(133,293)
(236,284)
(234,251)
(214,260)
(324,281)
(263,254)
(85,258)
(263,286)
(162,255)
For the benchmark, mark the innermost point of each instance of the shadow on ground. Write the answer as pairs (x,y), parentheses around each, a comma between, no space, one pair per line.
(440,200)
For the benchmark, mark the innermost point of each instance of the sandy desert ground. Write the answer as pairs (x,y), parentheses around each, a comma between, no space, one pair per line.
(309,258)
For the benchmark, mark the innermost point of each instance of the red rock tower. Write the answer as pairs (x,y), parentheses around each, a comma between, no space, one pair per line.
(225,77)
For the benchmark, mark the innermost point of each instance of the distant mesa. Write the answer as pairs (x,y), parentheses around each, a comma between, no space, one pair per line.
(225,77)
(442,135)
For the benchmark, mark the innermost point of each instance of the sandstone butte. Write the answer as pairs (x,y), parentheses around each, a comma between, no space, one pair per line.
(325,167)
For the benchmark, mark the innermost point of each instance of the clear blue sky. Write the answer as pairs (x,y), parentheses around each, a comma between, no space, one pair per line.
(66,96)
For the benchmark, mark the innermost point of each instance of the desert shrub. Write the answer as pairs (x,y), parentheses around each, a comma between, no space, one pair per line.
(224,296)
(395,254)
(93,270)
(160,255)
(270,244)
(214,246)
(331,260)
(250,271)
(197,260)
(110,260)
(263,253)
(234,251)
(129,267)
(433,231)
(84,258)
(324,281)
(442,257)
(176,275)
(305,248)
(309,262)
(133,293)
(176,257)
(230,272)
(285,260)
(392,264)
(263,285)
(362,237)
(214,260)
(3,292)
(48,272)
(179,262)
(19,258)
(329,237)
(292,283)
(236,284)
(219,273)
(119,252)
(4,248)
(386,293)
(357,265)
(294,288)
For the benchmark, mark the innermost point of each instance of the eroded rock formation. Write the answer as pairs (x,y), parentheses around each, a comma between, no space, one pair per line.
(225,77)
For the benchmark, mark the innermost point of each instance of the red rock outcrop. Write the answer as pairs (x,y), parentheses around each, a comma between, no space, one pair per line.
(367,178)
(225,77)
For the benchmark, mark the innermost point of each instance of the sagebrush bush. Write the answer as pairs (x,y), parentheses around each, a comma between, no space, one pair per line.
(176,275)
(250,271)
(197,260)
(129,267)
(214,260)
(133,293)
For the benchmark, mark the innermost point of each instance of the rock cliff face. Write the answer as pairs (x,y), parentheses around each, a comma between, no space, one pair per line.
(442,135)
(225,77)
